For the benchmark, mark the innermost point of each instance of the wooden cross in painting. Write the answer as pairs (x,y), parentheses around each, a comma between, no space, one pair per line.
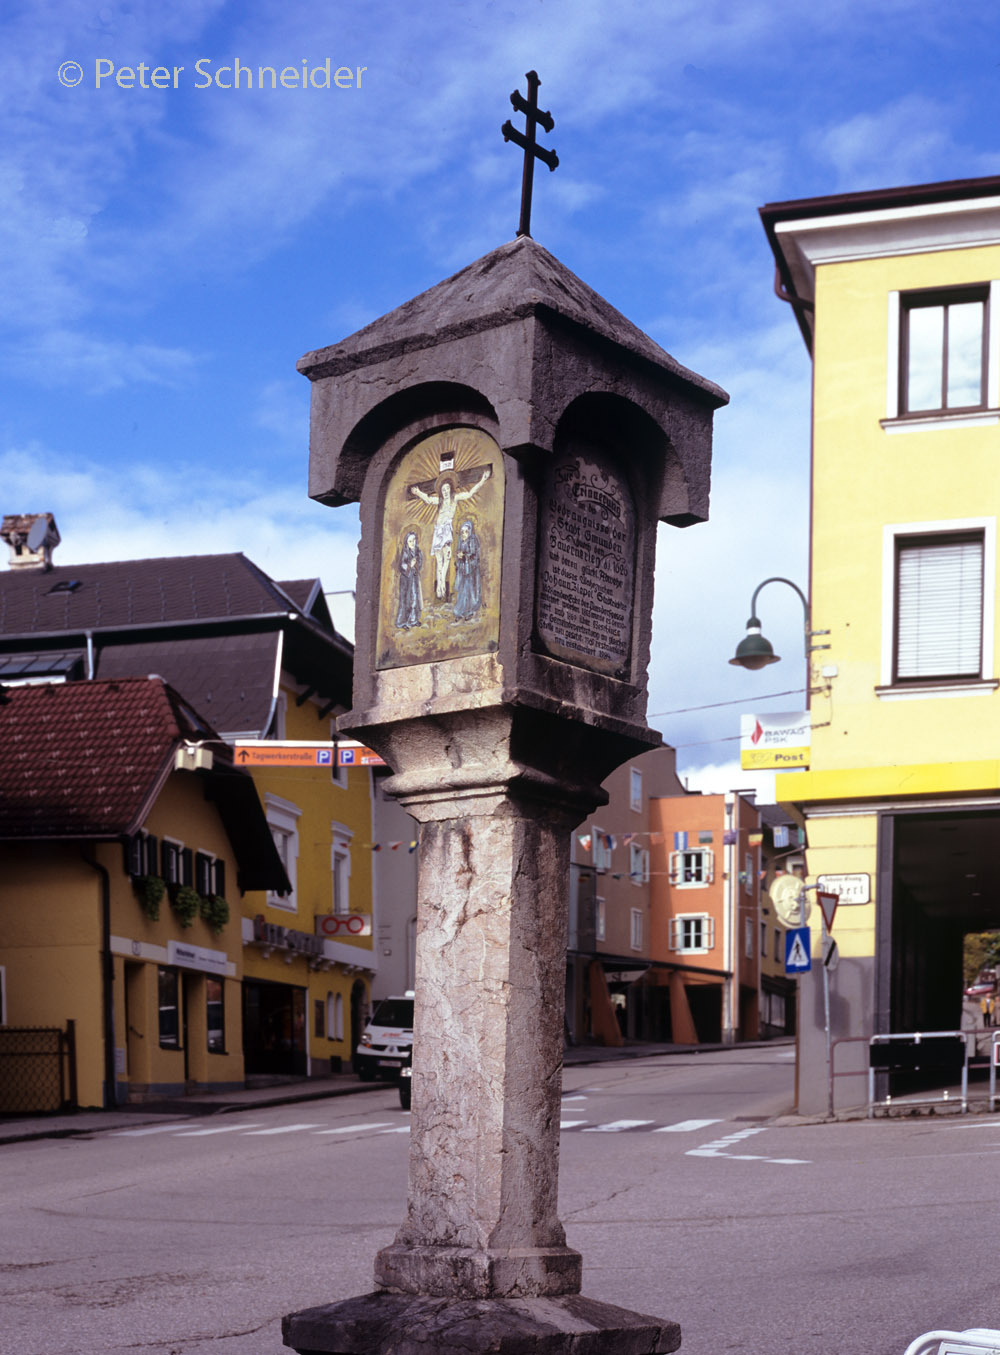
(532,115)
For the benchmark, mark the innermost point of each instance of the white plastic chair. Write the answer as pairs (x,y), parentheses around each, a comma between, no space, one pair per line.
(974,1341)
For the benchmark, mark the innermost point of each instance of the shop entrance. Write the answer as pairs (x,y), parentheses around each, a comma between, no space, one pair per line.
(274,1029)
(939,884)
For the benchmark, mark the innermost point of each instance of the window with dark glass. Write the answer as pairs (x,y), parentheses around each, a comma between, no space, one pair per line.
(215,1012)
(939,607)
(943,347)
(169,1001)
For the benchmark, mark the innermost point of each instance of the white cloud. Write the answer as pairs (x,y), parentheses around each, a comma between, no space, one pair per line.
(180,509)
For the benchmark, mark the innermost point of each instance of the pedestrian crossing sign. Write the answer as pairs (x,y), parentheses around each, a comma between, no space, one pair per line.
(798,959)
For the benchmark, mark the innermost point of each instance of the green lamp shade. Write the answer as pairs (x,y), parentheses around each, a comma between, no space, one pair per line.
(753,651)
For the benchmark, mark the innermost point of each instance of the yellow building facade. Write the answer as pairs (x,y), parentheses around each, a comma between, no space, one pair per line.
(307,982)
(897,296)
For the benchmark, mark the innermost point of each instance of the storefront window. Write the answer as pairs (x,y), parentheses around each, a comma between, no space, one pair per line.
(216,1014)
(169,994)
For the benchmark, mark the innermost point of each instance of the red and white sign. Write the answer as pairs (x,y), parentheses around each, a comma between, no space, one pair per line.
(344,924)
(828,906)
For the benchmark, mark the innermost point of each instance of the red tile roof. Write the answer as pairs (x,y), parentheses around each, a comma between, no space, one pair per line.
(86,759)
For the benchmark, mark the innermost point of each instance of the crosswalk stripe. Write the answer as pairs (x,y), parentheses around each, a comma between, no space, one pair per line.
(282,1129)
(685,1126)
(352,1128)
(615,1126)
(202,1133)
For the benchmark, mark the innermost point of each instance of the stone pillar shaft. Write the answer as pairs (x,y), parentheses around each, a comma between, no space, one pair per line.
(487,1062)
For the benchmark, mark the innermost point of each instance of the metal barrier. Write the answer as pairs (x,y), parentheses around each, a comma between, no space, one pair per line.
(37,1069)
(974,1341)
(849,1072)
(947,1051)
(994,1055)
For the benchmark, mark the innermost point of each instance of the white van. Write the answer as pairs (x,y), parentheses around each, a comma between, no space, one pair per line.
(387,1040)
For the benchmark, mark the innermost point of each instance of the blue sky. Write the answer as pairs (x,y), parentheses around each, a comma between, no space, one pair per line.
(167,254)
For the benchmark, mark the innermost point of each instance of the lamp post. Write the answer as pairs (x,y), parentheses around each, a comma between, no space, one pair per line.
(755,651)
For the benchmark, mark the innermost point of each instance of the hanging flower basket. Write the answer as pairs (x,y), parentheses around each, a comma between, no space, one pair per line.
(215,911)
(150,890)
(187,904)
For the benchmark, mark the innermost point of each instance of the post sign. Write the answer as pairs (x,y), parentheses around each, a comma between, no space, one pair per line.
(798,956)
(780,740)
(357,755)
(282,753)
(827,901)
(850,889)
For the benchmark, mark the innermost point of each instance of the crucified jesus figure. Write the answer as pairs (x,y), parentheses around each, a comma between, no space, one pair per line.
(446,501)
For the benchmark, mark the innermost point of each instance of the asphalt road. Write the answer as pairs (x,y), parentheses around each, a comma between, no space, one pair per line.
(686,1195)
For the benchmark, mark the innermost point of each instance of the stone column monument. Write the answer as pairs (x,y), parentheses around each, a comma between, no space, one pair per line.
(513,441)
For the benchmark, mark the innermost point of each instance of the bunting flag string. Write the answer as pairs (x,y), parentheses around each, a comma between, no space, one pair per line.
(411,847)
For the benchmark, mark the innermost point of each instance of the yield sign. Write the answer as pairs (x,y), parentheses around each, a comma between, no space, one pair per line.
(798,959)
(828,905)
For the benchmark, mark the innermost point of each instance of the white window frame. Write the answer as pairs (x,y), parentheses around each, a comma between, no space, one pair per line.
(602,852)
(635,789)
(748,930)
(638,864)
(749,873)
(636,929)
(944,528)
(705,933)
(172,850)
(894,422)
(340,868)
(705,868)
(600,919)
(283,817)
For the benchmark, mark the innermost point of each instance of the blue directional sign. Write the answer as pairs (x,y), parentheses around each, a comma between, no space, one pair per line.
(798,959)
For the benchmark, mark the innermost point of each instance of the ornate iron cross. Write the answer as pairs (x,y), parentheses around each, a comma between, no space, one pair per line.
(532,115)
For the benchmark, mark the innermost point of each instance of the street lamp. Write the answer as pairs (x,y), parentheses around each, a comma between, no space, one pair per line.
(754,650)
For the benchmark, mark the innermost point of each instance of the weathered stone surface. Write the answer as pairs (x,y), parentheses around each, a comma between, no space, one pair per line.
(392,1324)
(502,695)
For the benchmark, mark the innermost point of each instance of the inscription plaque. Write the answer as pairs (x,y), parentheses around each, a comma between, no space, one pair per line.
(442,532)
(586,566)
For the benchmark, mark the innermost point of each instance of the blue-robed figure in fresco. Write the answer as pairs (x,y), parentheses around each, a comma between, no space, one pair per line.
(411,598)
(468,573)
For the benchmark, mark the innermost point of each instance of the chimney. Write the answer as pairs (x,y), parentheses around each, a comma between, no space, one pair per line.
(32,537)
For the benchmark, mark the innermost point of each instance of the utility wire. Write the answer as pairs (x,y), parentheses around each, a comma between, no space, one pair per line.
(714,705)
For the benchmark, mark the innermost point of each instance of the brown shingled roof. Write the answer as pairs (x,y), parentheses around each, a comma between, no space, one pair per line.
(136,593)
(86,759)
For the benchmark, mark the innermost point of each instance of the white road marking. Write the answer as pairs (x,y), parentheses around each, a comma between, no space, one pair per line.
(719,1148)
(571,1124)
(353,1128)
(403,1129)
(685,1126)
(282,1129)
(567,1097)
(615,1126)
(228,1129)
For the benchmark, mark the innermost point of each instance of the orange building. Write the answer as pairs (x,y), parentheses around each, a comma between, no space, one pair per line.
(705,914)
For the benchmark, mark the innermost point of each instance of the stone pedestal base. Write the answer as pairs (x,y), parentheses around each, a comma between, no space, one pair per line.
(463,1272)
(409,1324)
